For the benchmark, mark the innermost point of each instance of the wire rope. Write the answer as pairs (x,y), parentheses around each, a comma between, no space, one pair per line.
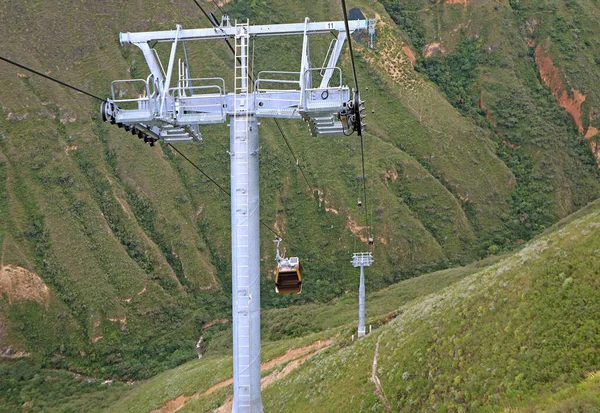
(251,76)
(349,44)
(357,120)
(12,62)
(226,192)
(312,191)
(104,100)
(218,7)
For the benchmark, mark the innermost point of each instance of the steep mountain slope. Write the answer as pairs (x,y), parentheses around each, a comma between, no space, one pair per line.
(528,70)
(518,332)
(523,327)
(129,244)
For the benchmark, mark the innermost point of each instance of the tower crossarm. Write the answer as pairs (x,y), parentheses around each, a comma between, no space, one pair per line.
(225,32)
(362,259)
(171,106)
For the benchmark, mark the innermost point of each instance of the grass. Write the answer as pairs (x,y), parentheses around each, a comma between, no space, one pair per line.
(535,136)
(493,329)
(337,320)
(121,231)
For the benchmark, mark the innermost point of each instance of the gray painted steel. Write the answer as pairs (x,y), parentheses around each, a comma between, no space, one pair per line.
(245,238)
(361,303)
(173,110)
(362,260)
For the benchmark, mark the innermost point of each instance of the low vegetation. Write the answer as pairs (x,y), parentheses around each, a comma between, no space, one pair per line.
(469,154)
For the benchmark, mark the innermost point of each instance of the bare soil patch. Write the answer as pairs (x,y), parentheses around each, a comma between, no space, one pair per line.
(19,284)
(411,56)
(296,356)
(551,77)
(433,49)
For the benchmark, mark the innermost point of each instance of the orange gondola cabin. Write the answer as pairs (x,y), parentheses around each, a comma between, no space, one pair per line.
(288,276)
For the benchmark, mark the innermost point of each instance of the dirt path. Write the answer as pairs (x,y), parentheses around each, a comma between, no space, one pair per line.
(295,356)
(267,380)
(378,388)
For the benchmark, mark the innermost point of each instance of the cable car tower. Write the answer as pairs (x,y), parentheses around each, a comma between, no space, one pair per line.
(174,105)
(362,260)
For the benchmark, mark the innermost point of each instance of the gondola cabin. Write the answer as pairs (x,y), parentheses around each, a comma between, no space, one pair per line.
(288,276)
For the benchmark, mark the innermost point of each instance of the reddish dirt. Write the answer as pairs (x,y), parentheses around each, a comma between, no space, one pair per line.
(295,356)
(510,145)
(173,405)
(488,114)
(276,375)
(21,285)
(323,201)
(433,49)
(391,174)
(96,325)
(142,291)
(389,317)
(356,229)
(481,104)
(121,320)
(411,56)
(591,132)
(551,77)
(70,148)
(215,322)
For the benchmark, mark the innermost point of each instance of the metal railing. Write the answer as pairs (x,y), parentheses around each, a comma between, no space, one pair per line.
(193,99)
(143,102)
(323,98)
(261,80)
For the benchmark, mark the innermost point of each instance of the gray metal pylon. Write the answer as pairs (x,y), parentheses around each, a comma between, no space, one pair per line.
(174,113)
(362,260)
(245,238)
(371,32)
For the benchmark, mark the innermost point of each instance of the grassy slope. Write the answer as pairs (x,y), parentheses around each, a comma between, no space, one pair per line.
(121,231)
(310,322)
(536,138)
(526,324)
(523,323)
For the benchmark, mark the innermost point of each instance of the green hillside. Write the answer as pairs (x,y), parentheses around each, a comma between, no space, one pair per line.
(116,254)
(506,65)
(513,333)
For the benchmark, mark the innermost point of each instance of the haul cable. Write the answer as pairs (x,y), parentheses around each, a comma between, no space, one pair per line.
(12,62)
(104,100)
(251,76)
(358,121)
(226,192)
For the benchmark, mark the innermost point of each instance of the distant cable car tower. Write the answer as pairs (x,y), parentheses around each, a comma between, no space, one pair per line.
(362,260)
(174,105)
(371,32)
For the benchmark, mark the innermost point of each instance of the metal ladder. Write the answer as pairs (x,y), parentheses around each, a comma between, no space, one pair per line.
(241,153)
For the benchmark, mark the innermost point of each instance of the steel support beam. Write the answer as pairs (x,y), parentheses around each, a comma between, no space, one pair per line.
(165,112)
(361,303)
(245,256)
(225,32)
(362,260)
